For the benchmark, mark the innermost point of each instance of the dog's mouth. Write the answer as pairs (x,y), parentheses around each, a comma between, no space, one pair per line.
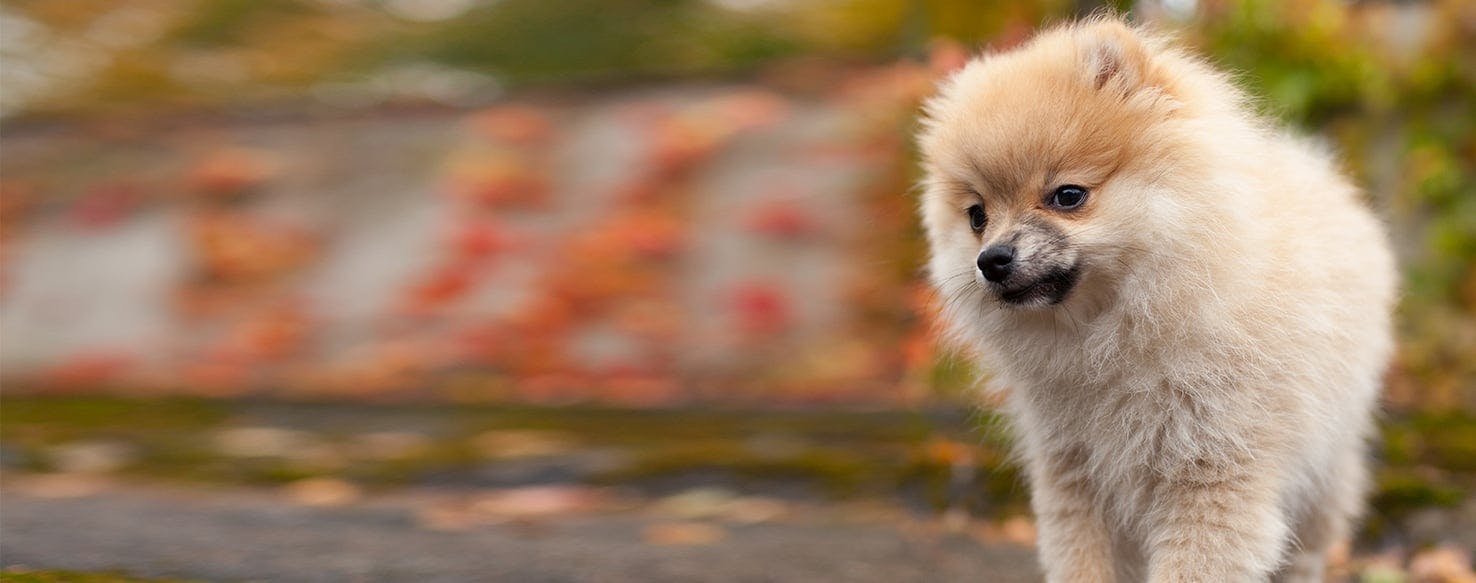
(1049,289)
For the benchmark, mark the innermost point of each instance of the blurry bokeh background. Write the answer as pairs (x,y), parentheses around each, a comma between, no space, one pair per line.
(555,213)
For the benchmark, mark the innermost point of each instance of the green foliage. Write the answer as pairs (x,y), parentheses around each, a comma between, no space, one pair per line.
(976,23)
(1445,441)
(522,41)
(225,23)
(1403,118)
(1300,65)
(1400,493)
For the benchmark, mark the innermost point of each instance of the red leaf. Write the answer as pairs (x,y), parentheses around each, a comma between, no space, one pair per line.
(761,309)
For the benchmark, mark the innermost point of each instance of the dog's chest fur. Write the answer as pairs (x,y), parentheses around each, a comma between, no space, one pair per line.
(1130,407)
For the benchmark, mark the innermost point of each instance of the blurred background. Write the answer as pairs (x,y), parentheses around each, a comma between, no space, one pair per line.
(596,289)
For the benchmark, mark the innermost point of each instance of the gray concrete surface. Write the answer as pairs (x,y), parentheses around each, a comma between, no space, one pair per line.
(234,536)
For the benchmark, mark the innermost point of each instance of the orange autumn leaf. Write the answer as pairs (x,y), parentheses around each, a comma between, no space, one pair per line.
(442,286)
(513,124)
(232,170)
(91,369)
(497,178)
(479,240)
(748,110)
(239,247)
(761,309)
(782,219)
(272,335)
(105,205)
(650,234)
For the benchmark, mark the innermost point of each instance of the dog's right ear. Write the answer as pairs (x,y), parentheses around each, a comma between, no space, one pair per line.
(1113,57)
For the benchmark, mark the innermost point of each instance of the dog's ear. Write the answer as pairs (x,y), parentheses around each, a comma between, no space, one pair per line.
(1113,57)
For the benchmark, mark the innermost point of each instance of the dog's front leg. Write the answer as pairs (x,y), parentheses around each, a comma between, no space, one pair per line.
(1074,543)
(1226,530)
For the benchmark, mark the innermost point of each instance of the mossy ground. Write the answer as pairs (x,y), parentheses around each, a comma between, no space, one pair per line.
(51,576)
(932,460)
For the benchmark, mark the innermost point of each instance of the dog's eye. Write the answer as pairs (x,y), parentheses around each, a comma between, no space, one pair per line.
(977,218)
(1067,197)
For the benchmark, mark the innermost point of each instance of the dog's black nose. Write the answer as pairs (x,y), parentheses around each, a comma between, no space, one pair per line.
(997,262)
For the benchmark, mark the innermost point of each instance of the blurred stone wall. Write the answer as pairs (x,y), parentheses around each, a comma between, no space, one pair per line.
(649,245)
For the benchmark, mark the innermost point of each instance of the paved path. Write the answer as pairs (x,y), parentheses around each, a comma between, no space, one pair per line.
(237,536)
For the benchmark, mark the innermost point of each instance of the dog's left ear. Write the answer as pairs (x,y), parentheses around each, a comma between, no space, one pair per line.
(1114,58)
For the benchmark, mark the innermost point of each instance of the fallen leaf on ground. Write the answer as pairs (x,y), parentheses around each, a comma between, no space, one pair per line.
(1019,530)
(540,501)
(91,457)
(59,485)
(684,533)
(1382,568)
(753,510)
(262,441)
(528,443)
(389,445)
(955,520)
(697,503)
(447,517)
(323,492)
(1441,565)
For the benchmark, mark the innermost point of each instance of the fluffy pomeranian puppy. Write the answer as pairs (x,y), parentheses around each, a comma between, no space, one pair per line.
(1190,309)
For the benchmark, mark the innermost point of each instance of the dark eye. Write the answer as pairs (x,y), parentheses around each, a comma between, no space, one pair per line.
(1068,197)
(977,218)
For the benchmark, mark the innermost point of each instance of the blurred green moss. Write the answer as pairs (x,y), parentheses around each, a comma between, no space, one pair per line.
(55,576)
(224,23)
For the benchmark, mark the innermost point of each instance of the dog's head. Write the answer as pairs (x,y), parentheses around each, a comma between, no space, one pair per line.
(1036,162)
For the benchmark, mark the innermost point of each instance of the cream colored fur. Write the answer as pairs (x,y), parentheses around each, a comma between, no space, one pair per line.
(1196,409)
